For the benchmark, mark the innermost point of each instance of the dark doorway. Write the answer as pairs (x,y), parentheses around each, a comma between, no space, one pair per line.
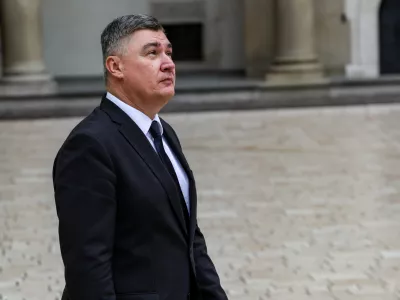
(389,34)
(187,41)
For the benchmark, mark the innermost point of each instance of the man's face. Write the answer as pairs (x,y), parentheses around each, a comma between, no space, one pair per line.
(148,69)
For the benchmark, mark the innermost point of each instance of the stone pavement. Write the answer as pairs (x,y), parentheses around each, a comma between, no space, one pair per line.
(295,204)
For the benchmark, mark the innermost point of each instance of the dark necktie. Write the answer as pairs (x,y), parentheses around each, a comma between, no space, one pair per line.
(157,136)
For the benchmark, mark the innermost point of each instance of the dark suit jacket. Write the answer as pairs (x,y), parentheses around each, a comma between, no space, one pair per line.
(121,227)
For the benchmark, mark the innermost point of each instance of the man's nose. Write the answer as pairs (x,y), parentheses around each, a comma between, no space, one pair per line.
(167,64)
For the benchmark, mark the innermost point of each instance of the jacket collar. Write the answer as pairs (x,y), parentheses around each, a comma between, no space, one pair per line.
(137,139)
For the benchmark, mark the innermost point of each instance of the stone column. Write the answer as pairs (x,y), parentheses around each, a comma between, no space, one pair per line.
(21,34)
(295,53)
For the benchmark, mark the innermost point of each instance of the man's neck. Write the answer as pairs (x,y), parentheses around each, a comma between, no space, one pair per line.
(135,104)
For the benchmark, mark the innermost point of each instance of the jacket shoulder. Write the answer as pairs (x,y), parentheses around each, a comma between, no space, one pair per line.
(96,125)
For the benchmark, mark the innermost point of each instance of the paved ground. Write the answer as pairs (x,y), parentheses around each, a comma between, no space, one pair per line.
(295,204)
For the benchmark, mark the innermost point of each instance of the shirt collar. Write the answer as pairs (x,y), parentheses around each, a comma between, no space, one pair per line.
(141,120)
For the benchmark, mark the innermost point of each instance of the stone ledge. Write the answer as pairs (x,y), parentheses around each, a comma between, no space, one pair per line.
(10,88)
(46,107)
(196,94)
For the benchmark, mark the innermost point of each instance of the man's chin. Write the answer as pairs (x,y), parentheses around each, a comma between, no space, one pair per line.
(167,94)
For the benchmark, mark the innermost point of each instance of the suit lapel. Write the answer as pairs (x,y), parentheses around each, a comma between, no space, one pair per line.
(177,150)
(141,145)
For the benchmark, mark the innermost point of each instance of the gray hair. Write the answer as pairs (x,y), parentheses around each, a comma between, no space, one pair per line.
(114,36)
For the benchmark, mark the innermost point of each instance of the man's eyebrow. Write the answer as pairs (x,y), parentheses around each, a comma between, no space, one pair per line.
(155,44)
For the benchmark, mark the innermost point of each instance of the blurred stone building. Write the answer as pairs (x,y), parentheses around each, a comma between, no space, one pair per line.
(281,41)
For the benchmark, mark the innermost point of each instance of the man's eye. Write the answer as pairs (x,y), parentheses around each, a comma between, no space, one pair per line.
(169,54)
(153,52)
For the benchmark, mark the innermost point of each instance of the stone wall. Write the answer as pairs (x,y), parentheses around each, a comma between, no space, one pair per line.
(333,35)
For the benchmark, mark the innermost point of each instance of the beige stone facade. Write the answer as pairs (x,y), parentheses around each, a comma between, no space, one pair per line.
(315,30)
(285,41)
(332,31)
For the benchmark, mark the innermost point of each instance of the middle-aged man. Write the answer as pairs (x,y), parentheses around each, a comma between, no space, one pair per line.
(125,194)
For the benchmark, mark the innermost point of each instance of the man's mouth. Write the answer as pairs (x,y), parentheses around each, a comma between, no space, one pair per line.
(168,80)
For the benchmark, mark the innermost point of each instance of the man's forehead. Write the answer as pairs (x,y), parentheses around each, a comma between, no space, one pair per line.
(155,38)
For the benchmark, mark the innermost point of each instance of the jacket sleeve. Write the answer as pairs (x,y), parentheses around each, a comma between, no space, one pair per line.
(207,277)
(84,187)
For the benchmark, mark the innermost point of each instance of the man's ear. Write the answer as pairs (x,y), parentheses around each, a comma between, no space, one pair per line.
(115,67)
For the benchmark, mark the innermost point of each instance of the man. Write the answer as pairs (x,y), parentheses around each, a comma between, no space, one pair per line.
(124,192)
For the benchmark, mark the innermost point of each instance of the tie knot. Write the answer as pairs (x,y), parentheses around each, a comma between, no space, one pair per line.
(155,129)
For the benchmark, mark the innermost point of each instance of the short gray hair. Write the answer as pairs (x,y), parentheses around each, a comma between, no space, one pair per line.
(114,35)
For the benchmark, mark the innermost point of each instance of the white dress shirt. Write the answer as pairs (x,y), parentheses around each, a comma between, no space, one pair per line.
(144,123)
